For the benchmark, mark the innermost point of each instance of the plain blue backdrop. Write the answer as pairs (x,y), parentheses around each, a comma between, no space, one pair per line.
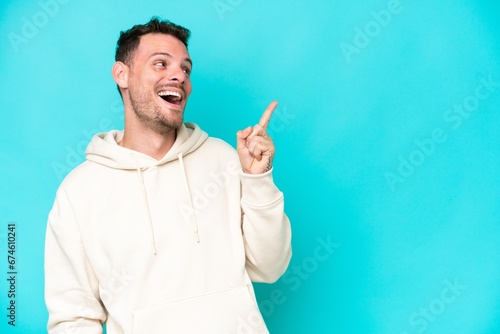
(387,137)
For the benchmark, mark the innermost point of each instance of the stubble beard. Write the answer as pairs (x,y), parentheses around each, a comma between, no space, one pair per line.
(153,115)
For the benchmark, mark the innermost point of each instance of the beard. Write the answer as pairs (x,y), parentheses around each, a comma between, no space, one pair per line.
(153,114)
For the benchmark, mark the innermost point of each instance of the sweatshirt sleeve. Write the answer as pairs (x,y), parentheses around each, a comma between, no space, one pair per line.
(71,288)
(266,228)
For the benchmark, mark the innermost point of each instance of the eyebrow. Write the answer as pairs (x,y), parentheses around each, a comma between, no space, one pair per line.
(170,56)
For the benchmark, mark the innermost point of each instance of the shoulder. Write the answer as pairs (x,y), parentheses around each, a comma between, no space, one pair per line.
(79,178)
(216,154)
(219,146)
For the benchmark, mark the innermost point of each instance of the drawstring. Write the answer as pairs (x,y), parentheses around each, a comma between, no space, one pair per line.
(146,203)
(186,185)
(145,197)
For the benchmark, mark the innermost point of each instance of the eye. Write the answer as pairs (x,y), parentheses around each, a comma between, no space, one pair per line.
(187,70)
(160,64)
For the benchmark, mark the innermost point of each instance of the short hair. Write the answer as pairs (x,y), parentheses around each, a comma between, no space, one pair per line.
(129,40)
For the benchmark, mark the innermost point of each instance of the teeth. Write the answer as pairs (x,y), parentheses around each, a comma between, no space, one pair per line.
(170,93)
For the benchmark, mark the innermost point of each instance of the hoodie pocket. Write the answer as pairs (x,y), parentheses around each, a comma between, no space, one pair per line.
(227,312)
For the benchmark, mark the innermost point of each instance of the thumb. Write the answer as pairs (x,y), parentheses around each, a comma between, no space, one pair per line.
(241,137)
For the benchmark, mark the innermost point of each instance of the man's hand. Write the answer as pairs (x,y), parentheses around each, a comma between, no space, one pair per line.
(255,147)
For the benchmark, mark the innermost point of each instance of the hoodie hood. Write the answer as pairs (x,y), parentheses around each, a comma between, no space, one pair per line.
(104,149)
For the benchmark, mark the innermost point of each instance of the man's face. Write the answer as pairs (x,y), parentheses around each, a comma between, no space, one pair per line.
(159,83)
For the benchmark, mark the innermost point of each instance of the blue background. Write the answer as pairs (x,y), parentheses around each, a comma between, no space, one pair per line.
(372,154)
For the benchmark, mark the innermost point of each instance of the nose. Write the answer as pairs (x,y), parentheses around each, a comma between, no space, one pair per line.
(178,75)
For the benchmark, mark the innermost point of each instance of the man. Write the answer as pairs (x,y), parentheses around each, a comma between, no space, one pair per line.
(163,228)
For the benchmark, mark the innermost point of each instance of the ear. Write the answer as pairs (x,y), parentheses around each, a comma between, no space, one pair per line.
(119,72)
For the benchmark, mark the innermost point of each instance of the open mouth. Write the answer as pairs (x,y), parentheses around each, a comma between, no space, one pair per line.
(171,96)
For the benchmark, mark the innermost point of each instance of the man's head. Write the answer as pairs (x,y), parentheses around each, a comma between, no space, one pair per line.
(152,71)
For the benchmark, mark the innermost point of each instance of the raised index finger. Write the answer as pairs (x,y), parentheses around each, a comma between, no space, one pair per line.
(266,116)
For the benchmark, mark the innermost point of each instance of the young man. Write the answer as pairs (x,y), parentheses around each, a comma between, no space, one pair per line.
(163,228)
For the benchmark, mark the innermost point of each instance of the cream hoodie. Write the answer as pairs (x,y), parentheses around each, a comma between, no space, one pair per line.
(163,246)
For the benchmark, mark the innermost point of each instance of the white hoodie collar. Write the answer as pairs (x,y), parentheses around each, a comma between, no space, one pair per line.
(104,149)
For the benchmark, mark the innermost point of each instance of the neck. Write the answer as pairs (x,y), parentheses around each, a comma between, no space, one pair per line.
(139,137)
(148,142)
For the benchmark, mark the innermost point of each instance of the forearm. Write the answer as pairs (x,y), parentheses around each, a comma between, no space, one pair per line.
(266,228)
